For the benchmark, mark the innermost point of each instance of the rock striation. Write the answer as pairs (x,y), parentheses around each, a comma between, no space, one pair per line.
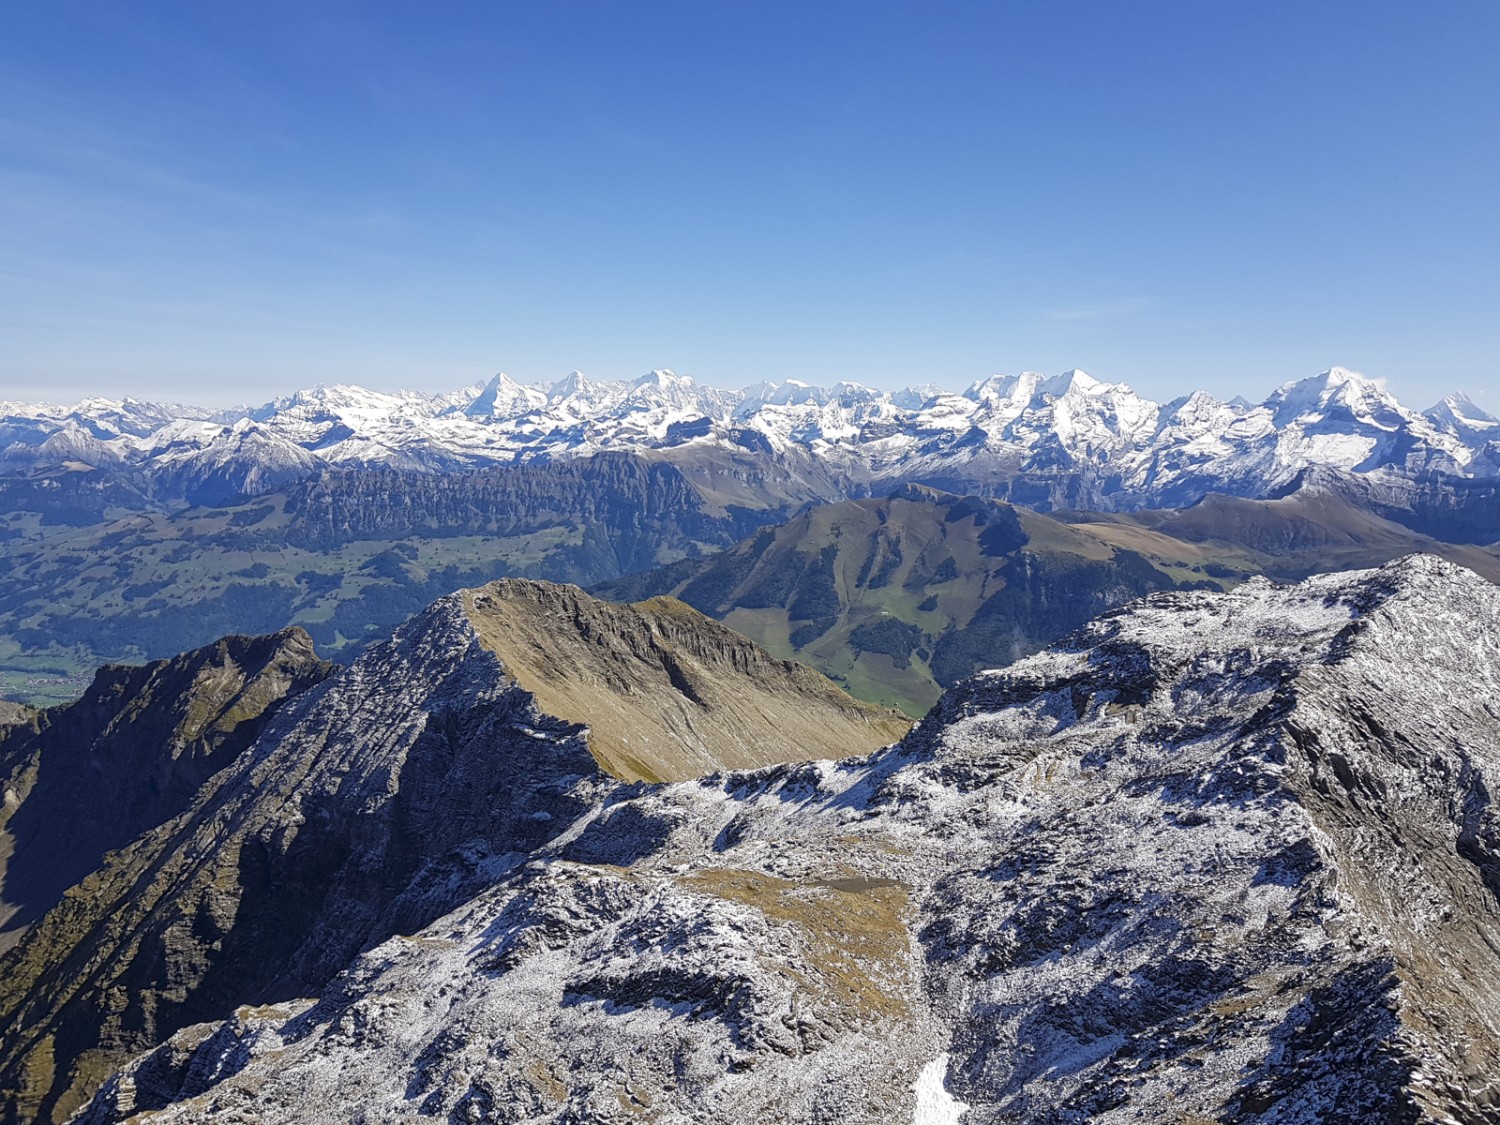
(82,783)
(1215,857)
(226,868)
(84,780)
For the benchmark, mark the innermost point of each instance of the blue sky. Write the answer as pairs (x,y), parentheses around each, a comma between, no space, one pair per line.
(220,201)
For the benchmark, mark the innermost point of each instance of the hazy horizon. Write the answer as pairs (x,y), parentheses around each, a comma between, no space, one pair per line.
(222,403)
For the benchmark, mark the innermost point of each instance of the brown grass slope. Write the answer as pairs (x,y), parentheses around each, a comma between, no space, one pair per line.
(667,693)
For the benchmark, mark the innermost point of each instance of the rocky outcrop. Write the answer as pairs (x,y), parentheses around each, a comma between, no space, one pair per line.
(86,779)
(421,758)
(634,513)
(389,794)
(1217,857)
(12,713)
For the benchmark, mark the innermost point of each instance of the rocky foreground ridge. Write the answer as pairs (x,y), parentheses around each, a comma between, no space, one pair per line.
(1217,857)
(238,823)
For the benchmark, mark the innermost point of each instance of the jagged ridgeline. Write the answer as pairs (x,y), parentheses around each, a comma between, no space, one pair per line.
(233,825)
(897,598)
(1217,857)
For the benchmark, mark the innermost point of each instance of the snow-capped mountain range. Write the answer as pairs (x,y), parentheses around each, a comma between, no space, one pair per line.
(1088,443)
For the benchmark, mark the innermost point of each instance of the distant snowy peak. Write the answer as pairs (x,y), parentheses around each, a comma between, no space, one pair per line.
(1458,413)
(665,380)
(1079,383)
(915,397)
(1090,443)
(791,392)
(571,385)
(1004,388)
(680,393)
(503,397)
(1337,392)
(349,399)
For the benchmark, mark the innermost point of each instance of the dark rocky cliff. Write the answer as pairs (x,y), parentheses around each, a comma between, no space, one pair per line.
(88,778)
(368,806)
(632,510)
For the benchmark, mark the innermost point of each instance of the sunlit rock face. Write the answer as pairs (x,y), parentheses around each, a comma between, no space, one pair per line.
(1216,857)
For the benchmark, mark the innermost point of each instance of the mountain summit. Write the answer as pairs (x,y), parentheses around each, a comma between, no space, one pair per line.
(667,694)
(254,822)
(1216,857)
(1067,441)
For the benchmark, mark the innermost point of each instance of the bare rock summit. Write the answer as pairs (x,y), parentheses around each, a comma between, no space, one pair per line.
(237,824)
(1216,857)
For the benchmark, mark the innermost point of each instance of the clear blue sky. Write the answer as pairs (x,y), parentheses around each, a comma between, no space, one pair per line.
(221,201)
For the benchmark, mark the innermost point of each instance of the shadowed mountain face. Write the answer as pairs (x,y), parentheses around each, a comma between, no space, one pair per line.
(87,779)
(899,597)
(1314,529)
(1447,508)
(1217,857)
(223,868)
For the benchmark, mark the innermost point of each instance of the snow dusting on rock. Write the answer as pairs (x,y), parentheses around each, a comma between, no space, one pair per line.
(1217,857)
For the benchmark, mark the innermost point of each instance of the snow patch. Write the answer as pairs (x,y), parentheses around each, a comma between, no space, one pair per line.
(935,1106)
